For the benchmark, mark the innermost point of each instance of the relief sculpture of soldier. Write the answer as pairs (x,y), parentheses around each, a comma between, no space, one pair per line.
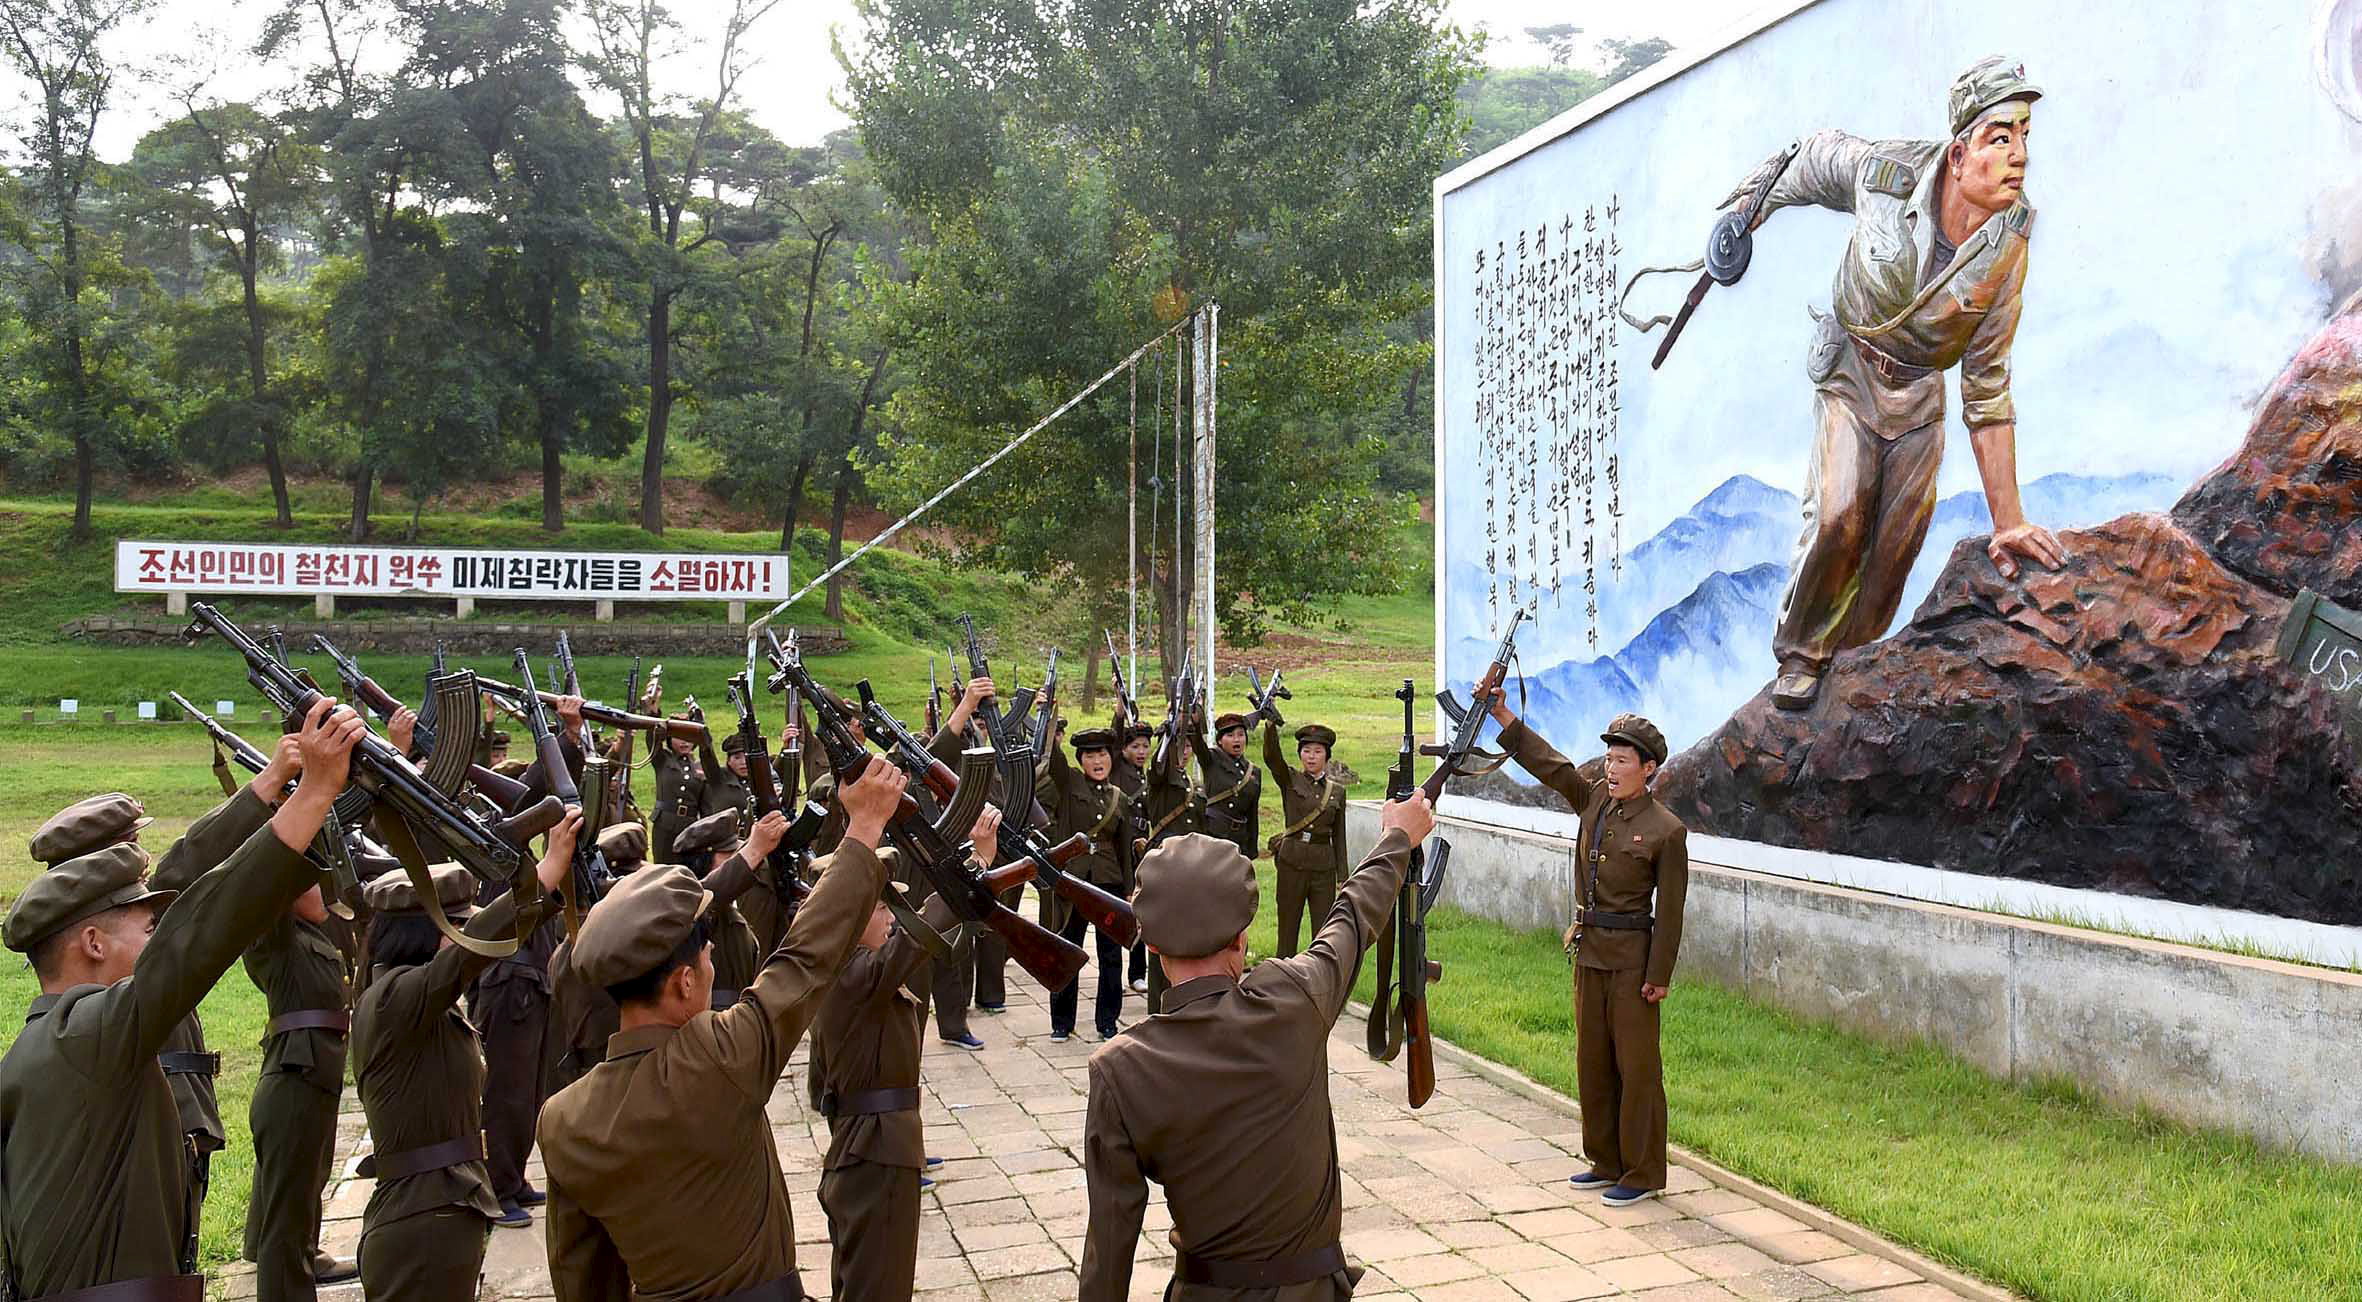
(1931,279)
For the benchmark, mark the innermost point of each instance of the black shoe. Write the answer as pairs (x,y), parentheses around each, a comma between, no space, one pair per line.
(964,1040)
(512,1217)
(933,1162)
(1590,1180)
(328,1268)
(531,1197)
(1625,1195)
(1103,1036)
(990,1008)
(1059,1037)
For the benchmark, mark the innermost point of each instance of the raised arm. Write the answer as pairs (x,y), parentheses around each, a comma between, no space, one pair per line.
(1119,1196)
(1273,758)
(1822,175)
(1541,759)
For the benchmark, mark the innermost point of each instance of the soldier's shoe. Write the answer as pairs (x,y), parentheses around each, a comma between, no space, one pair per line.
(995,1009)
(1625,1195)
(1590,1180)
(328,1268)
(1103,1036)
(531,1197)
(513,1217)
(964,1040)
(1138,985)
(1796,688)
(1059,1037)
(934,1162)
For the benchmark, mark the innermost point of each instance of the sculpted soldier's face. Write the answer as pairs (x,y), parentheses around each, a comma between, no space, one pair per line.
(1097,764)
(1315,757)
(1233,742)
(1987,166)
(1136,750)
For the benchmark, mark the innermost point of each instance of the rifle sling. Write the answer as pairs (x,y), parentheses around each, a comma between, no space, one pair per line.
(1319,809)
(398,838)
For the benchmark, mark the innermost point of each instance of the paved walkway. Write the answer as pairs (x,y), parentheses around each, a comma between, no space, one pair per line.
(1465,1198)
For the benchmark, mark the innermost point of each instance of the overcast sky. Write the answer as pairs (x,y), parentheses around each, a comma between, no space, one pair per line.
(795,86)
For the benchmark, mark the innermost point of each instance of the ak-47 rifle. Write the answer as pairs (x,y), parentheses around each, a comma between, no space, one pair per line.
(403,796)
(1260,699)
(934,700)
(759,773)
(1123,692)
(1045,710)
(1012,746)
(502,790)
(620,798)
(606,716)
(428,711)
(793,779)
(938,848)
(331,850)
(1024,855)
(1404,1025)
(590,877)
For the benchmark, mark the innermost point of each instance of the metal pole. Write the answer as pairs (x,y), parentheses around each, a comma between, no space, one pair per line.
(1132,536)
(1203,503)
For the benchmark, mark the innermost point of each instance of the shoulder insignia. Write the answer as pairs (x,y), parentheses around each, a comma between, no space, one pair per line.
(1890,176)
(2020,218)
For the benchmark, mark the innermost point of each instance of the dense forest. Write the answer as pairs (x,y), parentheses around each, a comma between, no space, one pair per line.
(415,273)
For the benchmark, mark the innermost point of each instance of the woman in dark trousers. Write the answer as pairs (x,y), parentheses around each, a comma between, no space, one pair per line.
(421,1078)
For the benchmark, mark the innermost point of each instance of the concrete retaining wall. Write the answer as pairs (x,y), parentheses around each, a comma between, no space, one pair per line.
(2247,1045)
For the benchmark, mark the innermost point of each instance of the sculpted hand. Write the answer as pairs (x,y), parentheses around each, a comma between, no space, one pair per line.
(2029,542)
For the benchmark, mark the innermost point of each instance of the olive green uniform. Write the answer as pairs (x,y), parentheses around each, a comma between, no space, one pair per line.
(421,1079)
(1171,806)
(92,1153)
(1101,811)
(665,1182)
(1224,1100)
(300,972)
(1234,796)
(1311,857)
(680,797)
(1632,863)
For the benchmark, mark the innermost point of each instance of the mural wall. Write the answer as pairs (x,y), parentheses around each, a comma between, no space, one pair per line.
(2097,287)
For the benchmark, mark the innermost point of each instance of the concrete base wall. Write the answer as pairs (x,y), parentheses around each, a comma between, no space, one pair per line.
(2247,1045)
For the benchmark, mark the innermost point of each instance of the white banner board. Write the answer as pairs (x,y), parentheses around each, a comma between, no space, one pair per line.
(336,570)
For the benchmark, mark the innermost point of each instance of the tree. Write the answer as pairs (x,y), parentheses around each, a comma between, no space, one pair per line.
(1082,163)
(670,144)
(235,174)
(57,45)
(1628,57)
(1558,39)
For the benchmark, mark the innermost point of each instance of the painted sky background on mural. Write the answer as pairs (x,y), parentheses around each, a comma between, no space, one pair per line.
(2193,179)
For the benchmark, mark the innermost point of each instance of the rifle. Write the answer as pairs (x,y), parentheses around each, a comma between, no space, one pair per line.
(571,681)
(427,711)
(606,716)
(402,796)
(1024,854)
(1123,693)
(590,877)
(622,798)
(1013,747)
(937,847)
(505,791)
(934,700)
(794,777)
(1260,698)
(1045,712)
(759,773)
(331,850)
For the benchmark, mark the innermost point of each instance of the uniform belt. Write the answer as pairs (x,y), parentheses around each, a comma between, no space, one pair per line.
(1303,1268)
(152,1288)
(418,1161)
(868,1103)
(309,1019)
(1888,368)
(723,998)
(1309,838)
(1614,921)
(190,1063)
(787,1288)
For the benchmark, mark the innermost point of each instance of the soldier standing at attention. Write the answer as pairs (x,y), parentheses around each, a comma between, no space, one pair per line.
(1088,801)
(1223,1098)
(115,983)
(1310,850)
(1630,851)
(421,1078)
(872,1027)
(665,1183)
(1234,786)
(300,972)
(680,789)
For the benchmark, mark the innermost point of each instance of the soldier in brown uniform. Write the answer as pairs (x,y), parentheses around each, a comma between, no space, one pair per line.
(871,1025)
(1310,849)
(729,789)
(297,966)
(420,1075)
(581,1014)
(1172,805)
(115,982)
(1631,878)
(680,789)
(1223,1098)
(1088,801)
(1234,786)
(664,1180)
(701,847)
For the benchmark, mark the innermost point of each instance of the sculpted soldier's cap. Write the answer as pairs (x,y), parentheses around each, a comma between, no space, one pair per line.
(1638,733)
(87,825)
(1989,81)
(1225,722)
(1197,892)
(1316,732)
(639,923)
(455,890)
(109,878)
(624,843)
(713,832)
(1090,739)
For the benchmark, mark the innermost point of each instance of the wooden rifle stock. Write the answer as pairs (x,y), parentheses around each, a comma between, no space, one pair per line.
(531,821)
(1421,1067)
(1051,958)
(1101,909)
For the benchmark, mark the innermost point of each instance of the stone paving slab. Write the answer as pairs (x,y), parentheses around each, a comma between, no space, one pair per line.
(1465,1198)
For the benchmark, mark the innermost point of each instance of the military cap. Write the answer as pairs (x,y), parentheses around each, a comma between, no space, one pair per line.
(1135,731)
(1638,733)
(1225,722)
(638,924)
(1197,892)
(1090,739)
(87,825)
(1989,81)
(497,740)
(624,843)
(1316,732)
(455,890)
(717,831)
(111,877)
(734,743)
